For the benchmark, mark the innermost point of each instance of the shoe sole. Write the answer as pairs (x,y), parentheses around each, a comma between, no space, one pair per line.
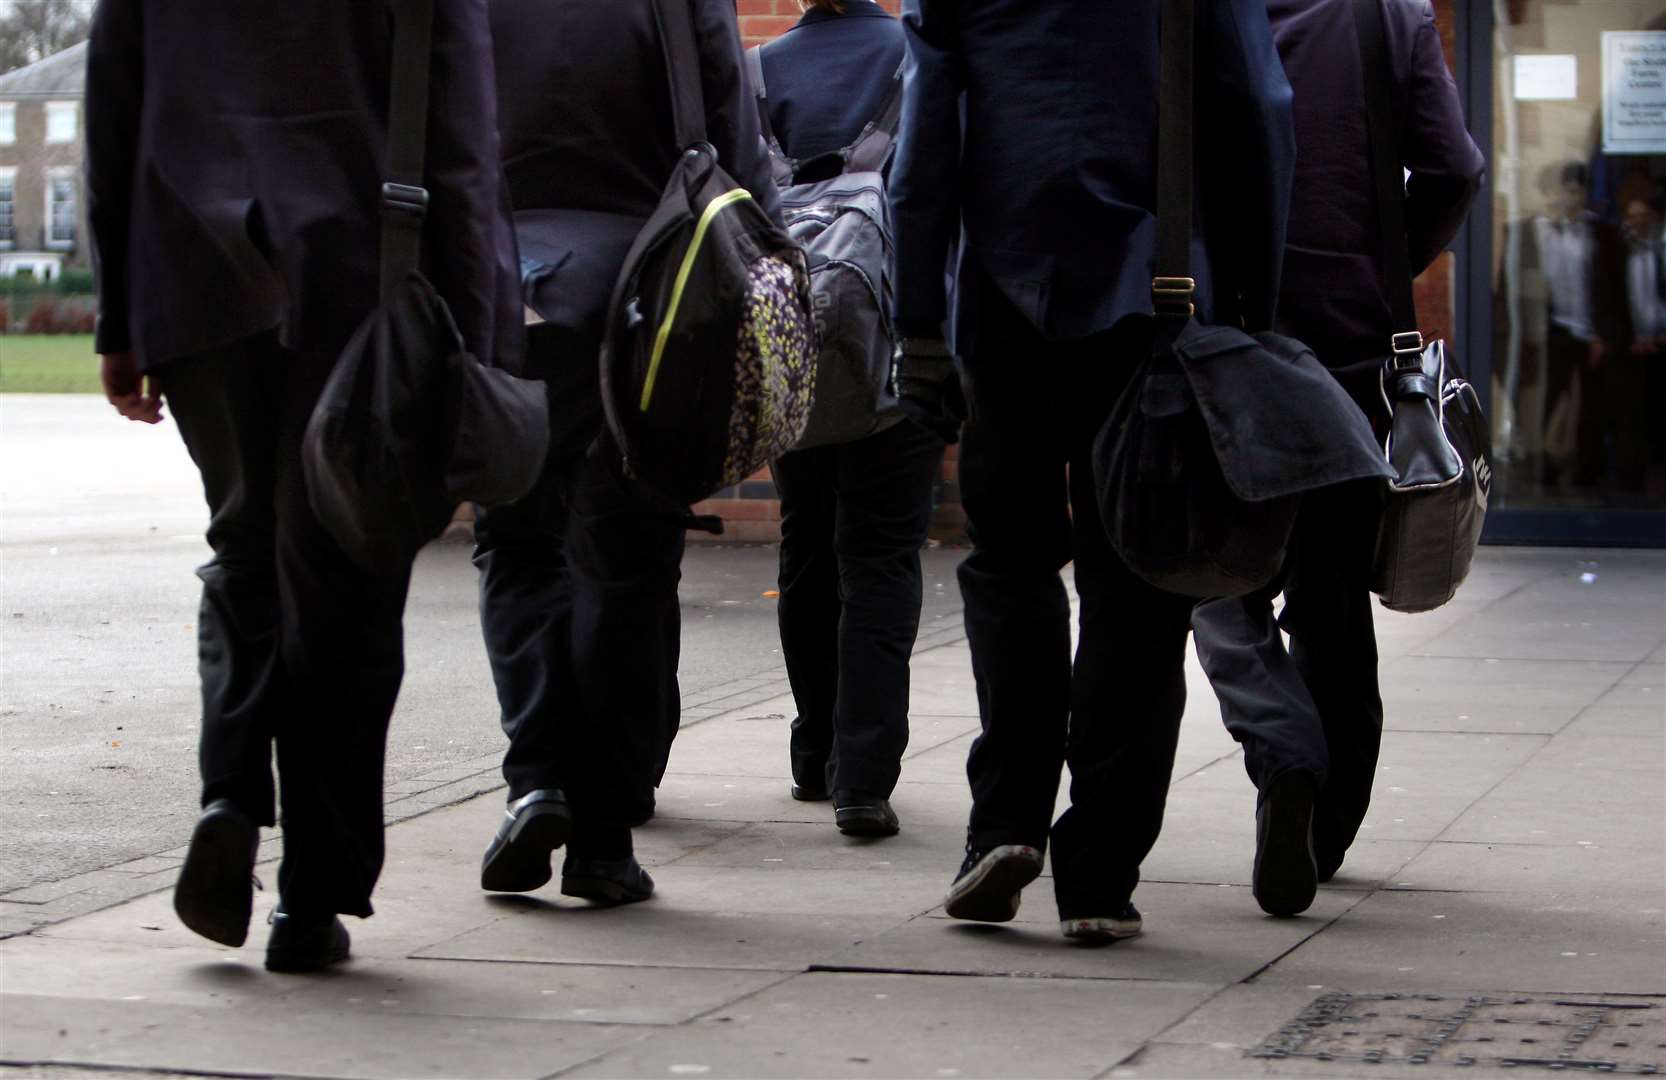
(1285,878)
(992,891)
(299,962)
(602,891)
(522,864)
(865,823)
(1101,931)
(215,893)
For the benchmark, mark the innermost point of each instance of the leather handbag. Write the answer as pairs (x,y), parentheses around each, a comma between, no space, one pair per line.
(410,424)
(1438,441)
(1201,465)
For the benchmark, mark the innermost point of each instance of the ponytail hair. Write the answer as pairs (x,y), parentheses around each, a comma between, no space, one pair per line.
(832,7)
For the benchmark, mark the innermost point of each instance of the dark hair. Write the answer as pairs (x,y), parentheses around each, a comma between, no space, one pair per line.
(834,7)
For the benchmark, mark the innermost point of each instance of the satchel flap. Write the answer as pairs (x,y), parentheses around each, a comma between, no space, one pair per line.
(1279,422)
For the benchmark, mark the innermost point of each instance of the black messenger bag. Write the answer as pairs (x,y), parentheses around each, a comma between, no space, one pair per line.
(1201,465)
(410,424)
(1438,440)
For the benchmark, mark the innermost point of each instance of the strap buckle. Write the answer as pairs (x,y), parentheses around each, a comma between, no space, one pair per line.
(1407,349)
(1173,295)
(405,199)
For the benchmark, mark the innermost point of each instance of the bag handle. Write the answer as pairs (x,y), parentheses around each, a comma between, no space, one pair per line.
(868,152)
(675,23)
(1406,344)
(1172,286)
(404,198)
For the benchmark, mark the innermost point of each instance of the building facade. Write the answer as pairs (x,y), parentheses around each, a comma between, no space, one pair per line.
(42,216)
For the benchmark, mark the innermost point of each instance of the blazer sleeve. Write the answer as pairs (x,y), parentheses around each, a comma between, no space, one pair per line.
(1446,166)
(925,185)
(731,108)
(114,98)
(467,225)
(1244,110)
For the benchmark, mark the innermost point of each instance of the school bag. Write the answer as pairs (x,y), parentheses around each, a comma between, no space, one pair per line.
(835,208)
(708,361)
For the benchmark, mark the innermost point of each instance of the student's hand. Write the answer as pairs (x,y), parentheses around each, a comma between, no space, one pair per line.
(928,386)
(135,396)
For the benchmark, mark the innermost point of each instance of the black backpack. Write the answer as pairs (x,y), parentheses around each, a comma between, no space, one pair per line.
(708,363)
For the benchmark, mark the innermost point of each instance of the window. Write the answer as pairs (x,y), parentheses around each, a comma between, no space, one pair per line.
(8,201)
(61,196)
(8,123)
(61,118)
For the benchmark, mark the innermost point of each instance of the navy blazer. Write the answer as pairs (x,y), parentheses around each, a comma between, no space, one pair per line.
(234,174)
(1052,173)
(828,76)
(1334,297)
(584,110)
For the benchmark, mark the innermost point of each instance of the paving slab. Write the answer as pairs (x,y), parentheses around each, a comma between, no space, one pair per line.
(861,1025)
(1455,941)
(295,1042)
(659,935)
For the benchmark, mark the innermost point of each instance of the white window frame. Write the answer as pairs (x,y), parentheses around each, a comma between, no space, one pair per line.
(8,177)
(8,123)
(53,175)
(60,108)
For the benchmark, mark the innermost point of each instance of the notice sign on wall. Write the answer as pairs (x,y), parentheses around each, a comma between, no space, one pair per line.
(1634,91)
(1541,77)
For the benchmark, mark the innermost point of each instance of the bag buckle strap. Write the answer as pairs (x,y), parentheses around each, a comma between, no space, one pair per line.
(405,200)
(1407,349)
(1173,296)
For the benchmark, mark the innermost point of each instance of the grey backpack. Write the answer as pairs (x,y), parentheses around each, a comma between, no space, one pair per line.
(834,206)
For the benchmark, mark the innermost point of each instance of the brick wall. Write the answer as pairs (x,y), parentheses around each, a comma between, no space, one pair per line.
(751,511)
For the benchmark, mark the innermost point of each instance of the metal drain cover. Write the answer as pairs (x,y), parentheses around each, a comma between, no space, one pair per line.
(1594,1033)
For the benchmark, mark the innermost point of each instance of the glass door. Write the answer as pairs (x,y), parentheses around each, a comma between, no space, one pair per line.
(1577,273)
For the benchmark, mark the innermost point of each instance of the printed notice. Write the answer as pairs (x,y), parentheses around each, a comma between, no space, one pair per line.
(1634,91)
(1541,77)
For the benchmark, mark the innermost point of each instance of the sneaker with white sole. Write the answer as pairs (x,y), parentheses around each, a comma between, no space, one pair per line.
(990,882)
(1103,929)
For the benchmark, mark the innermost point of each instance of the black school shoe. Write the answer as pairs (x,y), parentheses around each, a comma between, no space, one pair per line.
(859,814)
(1286,877)
(533,826)
(990,881)
(302,943)
(215,894)
(604,879)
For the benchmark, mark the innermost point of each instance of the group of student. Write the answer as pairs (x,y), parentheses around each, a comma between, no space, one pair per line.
(234,188)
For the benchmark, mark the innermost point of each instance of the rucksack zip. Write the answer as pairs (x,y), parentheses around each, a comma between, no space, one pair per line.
(713,208)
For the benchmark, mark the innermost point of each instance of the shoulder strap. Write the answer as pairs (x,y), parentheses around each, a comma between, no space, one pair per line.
(404,199)
(1382,126)
(873,146)
(675,23)
(1172,285)
(755,73)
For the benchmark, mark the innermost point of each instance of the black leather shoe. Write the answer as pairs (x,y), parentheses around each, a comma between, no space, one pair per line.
(215,893)
(605,879)
(1328,866)
(809,781)
(1285,879)
(534,825)
(860,814)
(302,943)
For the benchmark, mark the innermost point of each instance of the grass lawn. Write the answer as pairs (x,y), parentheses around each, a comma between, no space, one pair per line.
(48,364)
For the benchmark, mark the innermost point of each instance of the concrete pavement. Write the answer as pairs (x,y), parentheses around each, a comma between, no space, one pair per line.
(1504,909)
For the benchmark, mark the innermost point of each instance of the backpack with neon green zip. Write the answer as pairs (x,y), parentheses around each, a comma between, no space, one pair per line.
(709,361)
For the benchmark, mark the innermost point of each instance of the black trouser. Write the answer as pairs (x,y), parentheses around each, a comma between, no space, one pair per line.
(853,520)
(1314,706)
(295,643)
(1026,479)
(578,603)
